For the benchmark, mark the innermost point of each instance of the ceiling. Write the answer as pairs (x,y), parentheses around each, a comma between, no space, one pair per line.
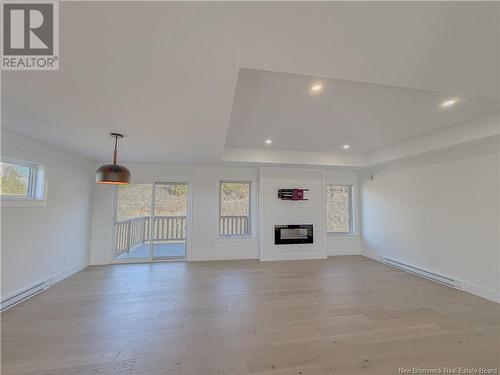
(178,78)
(281,108)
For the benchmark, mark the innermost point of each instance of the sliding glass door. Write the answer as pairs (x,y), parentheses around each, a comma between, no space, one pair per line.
(151,222)
(169,225)
(133,214)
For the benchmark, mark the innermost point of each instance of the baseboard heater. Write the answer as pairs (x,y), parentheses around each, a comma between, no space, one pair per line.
(452,283)
(24,295)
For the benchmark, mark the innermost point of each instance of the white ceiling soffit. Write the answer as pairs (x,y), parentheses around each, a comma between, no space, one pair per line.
(485,129)
(165,74)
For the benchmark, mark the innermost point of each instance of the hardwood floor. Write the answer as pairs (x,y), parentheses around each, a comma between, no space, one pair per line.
(344,315)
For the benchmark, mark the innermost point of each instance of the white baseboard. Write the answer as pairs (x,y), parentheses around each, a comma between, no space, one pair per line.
(372,255)
(465,286)
(38,287)
(302,256)
(332,253)
(68,272)
(481,292)
(222,256)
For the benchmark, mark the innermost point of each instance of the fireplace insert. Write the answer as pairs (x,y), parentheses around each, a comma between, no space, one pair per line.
(291,234)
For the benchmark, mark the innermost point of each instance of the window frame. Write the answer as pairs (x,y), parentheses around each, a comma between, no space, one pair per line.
(249,217)
(37,185)
(31,180)
(351,231)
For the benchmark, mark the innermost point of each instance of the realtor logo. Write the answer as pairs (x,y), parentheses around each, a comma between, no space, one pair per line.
(30,36)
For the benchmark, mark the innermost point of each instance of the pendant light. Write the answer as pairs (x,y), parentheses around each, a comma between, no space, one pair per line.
(113,174)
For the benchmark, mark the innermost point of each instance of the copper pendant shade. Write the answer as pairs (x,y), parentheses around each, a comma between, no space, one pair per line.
(113,174)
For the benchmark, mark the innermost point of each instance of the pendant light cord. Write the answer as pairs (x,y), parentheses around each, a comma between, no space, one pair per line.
(115,152)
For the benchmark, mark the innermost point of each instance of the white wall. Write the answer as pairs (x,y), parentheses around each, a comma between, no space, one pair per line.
(203,240)
(49,241)
(440,213)
(275,211)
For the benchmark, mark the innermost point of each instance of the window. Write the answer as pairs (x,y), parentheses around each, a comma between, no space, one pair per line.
(18,181)
(339,208)
(234,209)
(22,183)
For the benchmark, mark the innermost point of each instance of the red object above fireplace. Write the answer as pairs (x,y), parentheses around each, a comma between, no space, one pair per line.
(292,194)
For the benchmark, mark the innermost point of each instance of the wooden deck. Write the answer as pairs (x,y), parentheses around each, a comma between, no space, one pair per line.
(173,249)
(132,235)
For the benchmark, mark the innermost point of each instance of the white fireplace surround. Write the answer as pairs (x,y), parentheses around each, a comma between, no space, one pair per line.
(274,211)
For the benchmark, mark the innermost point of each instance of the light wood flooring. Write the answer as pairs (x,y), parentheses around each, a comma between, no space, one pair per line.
(344,315)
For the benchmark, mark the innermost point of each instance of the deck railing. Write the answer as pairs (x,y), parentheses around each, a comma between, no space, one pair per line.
(135,231)
(233,226)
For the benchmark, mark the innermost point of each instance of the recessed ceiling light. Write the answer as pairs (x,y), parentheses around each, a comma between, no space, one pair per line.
(268,141)
(345,147)
(316,88)
(448,103)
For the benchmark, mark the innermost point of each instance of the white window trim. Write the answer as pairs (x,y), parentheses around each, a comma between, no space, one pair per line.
(38,195)
(353,209)
(250,234)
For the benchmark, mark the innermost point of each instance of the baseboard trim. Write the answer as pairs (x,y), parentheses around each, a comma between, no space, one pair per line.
(223,256)
(68,272)
(462,285)
(38,287)
(481,292)
(332,253)
(278,257)
(372,255)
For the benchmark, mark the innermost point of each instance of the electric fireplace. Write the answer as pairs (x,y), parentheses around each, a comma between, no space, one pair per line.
(293,234)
